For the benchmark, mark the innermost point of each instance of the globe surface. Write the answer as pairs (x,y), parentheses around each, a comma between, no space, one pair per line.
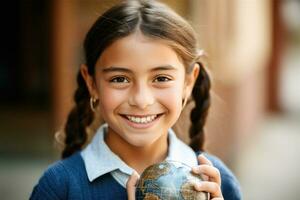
(169,180)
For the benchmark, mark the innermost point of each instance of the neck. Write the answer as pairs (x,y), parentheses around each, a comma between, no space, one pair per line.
(139,158)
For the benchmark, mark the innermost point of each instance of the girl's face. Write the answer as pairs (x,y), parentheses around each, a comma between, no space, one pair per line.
(140,83)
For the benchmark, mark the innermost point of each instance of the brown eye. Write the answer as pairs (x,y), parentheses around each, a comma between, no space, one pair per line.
(119,79)
(162,79)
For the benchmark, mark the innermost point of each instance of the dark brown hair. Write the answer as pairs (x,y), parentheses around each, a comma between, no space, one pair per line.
(154,20)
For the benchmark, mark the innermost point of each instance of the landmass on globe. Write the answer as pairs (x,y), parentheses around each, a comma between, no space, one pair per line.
(169,180)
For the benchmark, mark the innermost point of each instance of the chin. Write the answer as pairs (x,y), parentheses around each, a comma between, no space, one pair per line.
(140,142)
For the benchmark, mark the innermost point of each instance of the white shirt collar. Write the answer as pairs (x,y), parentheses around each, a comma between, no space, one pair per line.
(99,159)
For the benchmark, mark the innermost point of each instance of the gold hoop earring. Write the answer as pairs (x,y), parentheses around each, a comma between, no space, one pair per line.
(184,101)
(93,103)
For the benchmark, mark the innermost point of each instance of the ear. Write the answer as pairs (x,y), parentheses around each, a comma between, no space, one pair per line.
(89,81)
(190,80)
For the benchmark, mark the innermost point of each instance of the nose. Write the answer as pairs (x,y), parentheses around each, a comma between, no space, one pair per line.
(141,96)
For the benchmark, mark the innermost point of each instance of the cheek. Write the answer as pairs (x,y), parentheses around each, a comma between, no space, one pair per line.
(111,98)
(171,98)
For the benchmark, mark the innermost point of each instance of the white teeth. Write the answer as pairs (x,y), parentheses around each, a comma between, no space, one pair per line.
(141,120)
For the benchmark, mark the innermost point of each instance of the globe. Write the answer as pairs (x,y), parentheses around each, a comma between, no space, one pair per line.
(169,180)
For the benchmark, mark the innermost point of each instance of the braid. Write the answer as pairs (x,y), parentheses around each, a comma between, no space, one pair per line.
(198,114)
(79,118)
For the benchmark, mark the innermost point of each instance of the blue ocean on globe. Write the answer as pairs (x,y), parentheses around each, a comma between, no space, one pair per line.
(169,180)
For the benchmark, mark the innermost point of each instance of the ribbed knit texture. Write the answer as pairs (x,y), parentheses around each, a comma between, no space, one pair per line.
(67,179)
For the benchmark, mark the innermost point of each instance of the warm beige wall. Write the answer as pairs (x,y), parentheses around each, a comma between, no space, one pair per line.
(236,34)
(64,47)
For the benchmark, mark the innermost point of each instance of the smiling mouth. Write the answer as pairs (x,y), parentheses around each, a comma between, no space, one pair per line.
(142,119)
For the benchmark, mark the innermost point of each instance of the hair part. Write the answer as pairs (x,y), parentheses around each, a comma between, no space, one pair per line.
(154,20)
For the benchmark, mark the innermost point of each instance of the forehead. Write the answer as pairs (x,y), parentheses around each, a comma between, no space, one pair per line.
(137,50)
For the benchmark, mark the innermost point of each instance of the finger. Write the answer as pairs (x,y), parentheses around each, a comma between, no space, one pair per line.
(211,187)
(211,172)
(197,171)
(130,185)
(203,160)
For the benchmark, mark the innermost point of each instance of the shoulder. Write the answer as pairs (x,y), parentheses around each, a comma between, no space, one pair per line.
(230,186)
(54,182)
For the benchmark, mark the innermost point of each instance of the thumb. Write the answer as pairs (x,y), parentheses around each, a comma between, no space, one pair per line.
(130,185)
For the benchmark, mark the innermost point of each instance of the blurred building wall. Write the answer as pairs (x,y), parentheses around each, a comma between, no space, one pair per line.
(237,38)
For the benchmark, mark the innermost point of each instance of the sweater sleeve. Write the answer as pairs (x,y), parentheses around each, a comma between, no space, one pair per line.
(52,185)
(230,186)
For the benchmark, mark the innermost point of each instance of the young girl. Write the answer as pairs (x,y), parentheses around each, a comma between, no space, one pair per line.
(142,66)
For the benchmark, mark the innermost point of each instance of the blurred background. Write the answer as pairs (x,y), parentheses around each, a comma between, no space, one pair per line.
(254,60)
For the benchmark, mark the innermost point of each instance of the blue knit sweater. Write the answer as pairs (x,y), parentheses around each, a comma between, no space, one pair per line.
(67,179)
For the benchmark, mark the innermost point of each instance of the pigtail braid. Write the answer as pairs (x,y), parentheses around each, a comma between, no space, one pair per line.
(78,119)
(198,115)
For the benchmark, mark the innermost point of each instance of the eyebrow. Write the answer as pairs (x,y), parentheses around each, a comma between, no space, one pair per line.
(124,69)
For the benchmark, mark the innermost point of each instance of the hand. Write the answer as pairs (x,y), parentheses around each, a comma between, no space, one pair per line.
(130,185)
(211,176)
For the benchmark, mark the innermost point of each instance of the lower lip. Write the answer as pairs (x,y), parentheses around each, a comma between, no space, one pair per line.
(144,125)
